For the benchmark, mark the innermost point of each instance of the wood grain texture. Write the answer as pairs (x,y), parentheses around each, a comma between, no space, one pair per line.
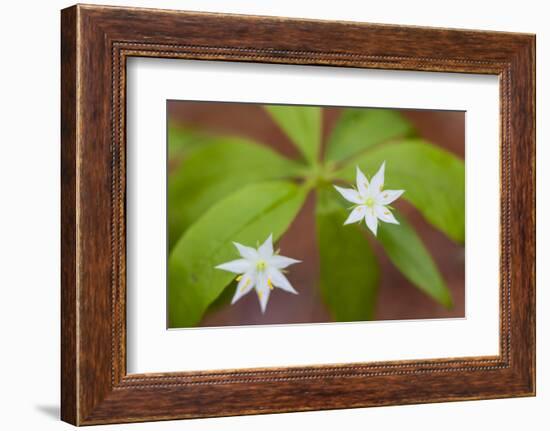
(68,217)
(96,41)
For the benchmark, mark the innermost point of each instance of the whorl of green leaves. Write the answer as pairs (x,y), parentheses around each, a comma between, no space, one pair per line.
(228,189)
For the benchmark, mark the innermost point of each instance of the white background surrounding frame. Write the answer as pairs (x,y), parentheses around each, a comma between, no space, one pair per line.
(30,104)
(153,348)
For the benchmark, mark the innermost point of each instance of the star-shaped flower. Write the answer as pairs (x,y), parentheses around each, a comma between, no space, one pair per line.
(370,201)
(259,269)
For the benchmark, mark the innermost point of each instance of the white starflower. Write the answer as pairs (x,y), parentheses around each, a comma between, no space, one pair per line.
(259,269)
(370,201)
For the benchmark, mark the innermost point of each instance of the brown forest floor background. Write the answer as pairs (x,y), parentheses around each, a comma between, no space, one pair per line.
(398,298)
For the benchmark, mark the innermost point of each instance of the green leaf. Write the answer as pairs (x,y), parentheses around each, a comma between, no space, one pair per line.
(215,171)
(349,269)
(223,298)
(182,140)
(433,180)
(302,124)
(408,254)
(247,216)
(361,128)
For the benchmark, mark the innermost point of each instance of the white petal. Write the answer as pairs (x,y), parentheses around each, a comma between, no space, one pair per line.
(278,279)
(245,285)
(356,215)
(377,182)
(388,196)
(371,220)
(281,262)
(239,266)
(263,290)
(362,182)
(247,252)
(350,195)
(385,214)
(266,249)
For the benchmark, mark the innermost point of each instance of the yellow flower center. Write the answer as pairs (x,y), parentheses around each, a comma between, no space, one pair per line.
(369,202)
(261,265)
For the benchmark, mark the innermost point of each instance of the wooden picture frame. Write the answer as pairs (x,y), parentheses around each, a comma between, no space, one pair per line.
(96,41)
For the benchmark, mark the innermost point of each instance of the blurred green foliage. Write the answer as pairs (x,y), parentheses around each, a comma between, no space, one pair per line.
(232,189)
(349,269)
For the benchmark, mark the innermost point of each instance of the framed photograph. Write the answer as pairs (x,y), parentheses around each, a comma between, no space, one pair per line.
(265,215)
